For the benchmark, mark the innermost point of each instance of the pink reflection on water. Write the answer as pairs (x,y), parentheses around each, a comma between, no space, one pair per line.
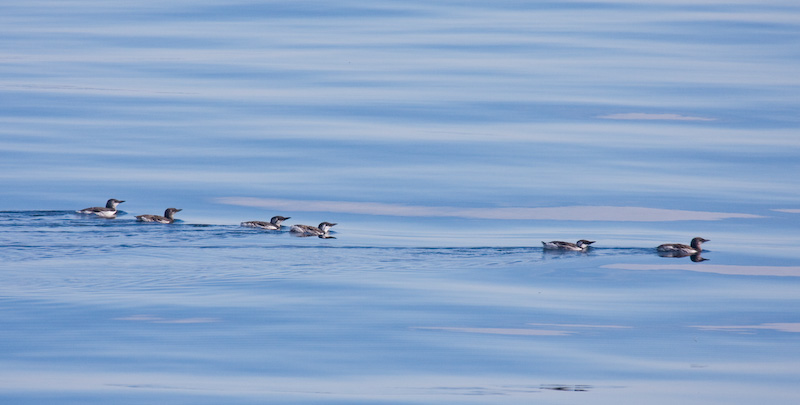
(570,213)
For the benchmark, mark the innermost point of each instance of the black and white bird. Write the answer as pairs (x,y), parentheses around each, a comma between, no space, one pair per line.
(168,218)
(109,211)
(273,224)
(308,230)
(693,247)
(581,246)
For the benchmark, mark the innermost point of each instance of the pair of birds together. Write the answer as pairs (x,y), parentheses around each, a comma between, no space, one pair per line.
(667,249)
(274,223)
(110,211)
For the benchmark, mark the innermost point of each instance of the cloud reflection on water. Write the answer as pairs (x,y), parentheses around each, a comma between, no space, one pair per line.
(523,331)
(498,331)
(647,116)
(581,326)
(156,319)
(571,213)
(781,327)
(787,210)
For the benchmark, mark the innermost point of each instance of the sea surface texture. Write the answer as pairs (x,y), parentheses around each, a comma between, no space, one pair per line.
(446,140)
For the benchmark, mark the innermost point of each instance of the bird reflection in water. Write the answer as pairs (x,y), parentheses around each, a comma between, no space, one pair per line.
(695,257)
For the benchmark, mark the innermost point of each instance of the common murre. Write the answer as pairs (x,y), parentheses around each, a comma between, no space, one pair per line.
(168,218)
(580,246)
(273,224)
(308,230)
(680,250)
(109,211)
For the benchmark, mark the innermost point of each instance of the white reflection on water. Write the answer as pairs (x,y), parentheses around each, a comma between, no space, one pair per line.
(157,319)
(523,331)
(499,331)
(734,270)
(646,116)
(573,213)
(781,327)
(581,326)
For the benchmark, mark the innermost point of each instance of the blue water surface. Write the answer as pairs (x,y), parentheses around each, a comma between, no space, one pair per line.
(446,140)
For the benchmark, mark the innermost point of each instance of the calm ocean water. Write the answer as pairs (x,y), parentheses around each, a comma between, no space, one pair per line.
(446,140)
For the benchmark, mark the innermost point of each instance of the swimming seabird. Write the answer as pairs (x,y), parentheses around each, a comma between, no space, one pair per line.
(581,246)
(308,230)
(680,250)
(168,217)
(109,211)
(273,224)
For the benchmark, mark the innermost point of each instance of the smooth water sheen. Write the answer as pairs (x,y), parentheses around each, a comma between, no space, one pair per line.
(446,141)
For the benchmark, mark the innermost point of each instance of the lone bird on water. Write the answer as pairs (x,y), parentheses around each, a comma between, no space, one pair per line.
(581,246)
(168,218)
(690,249)
(273,224)
(308,230)
(109,211)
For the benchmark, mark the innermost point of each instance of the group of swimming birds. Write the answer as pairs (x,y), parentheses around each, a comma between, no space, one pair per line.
(110,211)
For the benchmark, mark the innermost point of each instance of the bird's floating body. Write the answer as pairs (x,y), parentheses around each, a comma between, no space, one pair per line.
(680,250)
(168,218)
(308,230)
(109,211)
(581,246)
(273,224)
